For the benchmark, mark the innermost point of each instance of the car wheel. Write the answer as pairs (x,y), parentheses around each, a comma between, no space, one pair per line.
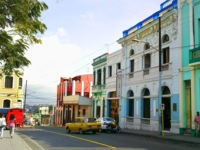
(80,131)
(68,130)
(94,132)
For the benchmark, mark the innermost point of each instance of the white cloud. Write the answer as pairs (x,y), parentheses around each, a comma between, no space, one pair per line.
(50,60)
(61,32)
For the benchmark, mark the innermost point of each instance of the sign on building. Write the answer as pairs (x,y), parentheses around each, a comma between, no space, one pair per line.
(119,83)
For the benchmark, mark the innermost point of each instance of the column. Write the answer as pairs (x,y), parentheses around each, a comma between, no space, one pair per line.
(73,87)
(82,89)
(193,96)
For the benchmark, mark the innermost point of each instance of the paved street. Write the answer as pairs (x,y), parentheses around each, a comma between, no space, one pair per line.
(48,138)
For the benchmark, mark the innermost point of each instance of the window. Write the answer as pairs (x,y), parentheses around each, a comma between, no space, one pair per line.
(132,52)
(6,103)
(132,65)
(166,55)
(147,61)
(118,66)
(146,46)
(84,112)
(20,83)
(165,38)
(104,75)
(94,77)
(109,71)
(9,82)
(99,77)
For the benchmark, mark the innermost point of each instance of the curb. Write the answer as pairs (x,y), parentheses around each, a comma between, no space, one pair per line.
(160,137)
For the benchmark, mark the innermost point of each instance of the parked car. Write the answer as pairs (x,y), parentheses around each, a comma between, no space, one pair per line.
(106,122)
(83,124)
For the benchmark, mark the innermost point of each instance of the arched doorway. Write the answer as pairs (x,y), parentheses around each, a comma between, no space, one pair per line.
(113,110)
(146,103)
(130,96)
(6,103)
(19,102)
(166,100)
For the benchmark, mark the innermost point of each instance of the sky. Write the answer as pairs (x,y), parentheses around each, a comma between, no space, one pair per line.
(78,31)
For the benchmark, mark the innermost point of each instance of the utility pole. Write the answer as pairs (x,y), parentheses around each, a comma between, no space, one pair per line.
(160,77)
(25,97)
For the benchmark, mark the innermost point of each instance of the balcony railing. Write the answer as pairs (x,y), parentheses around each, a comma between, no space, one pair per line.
(145,71)
(165,67)
(131,75)
(129,119)
(194,56)
(98,87)
(145,121)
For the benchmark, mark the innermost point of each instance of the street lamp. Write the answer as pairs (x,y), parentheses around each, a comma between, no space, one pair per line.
(160,72)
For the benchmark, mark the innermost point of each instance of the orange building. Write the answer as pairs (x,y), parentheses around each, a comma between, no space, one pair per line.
(73,98)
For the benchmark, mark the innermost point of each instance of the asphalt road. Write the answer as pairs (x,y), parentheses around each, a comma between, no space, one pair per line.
(52,138)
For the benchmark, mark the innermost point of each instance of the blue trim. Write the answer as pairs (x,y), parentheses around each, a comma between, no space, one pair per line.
(155,16)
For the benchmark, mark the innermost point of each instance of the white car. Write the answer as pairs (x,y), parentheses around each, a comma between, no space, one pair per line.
(104,121)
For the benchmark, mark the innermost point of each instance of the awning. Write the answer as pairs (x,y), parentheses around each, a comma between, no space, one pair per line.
(76,99)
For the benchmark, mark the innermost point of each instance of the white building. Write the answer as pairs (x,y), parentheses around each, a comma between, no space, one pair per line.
(140,105)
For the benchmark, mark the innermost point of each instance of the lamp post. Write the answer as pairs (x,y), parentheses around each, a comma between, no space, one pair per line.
(160,74)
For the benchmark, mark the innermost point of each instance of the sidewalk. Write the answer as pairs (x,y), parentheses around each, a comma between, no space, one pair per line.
(16,143)
(167,136)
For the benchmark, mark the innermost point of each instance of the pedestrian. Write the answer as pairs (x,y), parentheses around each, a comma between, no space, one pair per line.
(2,124)
(197,123)
(12,125)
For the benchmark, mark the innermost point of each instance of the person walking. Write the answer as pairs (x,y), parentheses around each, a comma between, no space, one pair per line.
(12,125)
(197,123)
(2,125)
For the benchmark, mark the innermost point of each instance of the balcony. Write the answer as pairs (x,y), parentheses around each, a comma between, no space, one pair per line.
(194,57)
(131,75)
(165,67)
(98,89)
(145,71)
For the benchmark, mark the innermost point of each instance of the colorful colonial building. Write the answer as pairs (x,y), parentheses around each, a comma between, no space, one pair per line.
(189,25)
(114,66)
(73,98)
(141,82)
(99,84)
(11,91)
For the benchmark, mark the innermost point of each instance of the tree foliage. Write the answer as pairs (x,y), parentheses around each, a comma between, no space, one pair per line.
(19,27)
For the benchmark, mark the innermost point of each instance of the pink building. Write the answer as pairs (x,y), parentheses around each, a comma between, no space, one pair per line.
(73,98)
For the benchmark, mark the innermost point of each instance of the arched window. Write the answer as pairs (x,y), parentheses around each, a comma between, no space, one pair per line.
(146,103)
(166,90)
(6,103)
(165,38)
(130,93)
(146,92)
(146,46)
(132,52)
(130,103)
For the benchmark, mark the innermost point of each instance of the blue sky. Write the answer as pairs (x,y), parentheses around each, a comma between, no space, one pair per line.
(77,33)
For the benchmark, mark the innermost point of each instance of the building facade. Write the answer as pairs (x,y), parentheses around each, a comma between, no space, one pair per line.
(114,65)
(99,83)
(73,98)
(11,91)
(189,18)
(139,102)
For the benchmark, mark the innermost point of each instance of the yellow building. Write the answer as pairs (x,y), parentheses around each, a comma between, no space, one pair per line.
(11,92)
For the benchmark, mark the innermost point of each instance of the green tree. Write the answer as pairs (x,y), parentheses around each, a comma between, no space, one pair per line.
(19,27)
(36,110)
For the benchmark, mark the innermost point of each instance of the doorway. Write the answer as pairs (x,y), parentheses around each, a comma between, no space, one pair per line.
(167,113)
(188,104)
